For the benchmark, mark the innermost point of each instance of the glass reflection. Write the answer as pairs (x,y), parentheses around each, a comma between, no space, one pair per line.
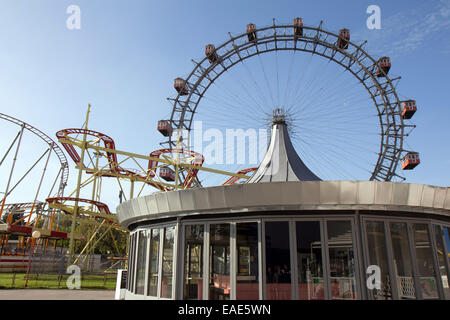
(309,261)
(447,243)
(377,255)
(219,262)
(247,262)
(443,272)
(154,263)
(140,263)
(167,263)
(193,265)
(342,260)
(402,261)
(131,256)
(427,275)
(278,261)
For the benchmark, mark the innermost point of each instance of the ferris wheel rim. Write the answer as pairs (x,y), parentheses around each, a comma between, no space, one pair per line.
(392,129)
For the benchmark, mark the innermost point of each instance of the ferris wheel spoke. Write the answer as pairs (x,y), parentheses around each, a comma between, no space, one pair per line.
(249,92)
(267,80)
(330,109)
(233,99)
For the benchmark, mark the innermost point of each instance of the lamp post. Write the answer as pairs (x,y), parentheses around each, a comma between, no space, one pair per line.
(35,235)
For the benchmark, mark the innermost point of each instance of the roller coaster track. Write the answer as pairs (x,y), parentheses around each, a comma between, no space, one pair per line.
(53,145)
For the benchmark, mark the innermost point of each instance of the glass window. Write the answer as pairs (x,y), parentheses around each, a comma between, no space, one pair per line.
(219,262)
(427,274)
(402,261)
(278,261)
(309,261)
(133,260)
(342,260)
(154,263)
(447,241)
(167,262)
(130,262)
(443,272)
(193,262)
(247,279)
(377,255)
(140,262)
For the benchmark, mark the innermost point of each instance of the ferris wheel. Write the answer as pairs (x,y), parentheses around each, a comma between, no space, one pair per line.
(346,118)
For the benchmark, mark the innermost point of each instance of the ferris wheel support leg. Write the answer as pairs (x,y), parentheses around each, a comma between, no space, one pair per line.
(80,174)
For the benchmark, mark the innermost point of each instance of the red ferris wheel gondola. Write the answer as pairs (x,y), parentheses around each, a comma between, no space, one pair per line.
(410,160)
(344,37)
(383,66)
(181,86)
(251,32)
(408,109)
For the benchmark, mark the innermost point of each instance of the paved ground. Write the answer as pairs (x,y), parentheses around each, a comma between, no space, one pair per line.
(48,294)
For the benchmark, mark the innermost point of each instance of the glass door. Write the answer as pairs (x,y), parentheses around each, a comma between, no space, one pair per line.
(153,269)
(309,261)
(424,258)
(278,261)
(247,264)
(377,254)
(219,262)
(341,260)
(402,263)
(193,262)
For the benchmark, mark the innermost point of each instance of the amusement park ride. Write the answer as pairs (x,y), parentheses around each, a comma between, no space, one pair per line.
(176,166)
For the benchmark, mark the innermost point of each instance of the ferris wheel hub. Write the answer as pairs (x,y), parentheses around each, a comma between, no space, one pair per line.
(279,116)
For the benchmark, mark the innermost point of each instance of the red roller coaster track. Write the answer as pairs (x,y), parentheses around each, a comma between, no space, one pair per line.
(108,143)
(192,172)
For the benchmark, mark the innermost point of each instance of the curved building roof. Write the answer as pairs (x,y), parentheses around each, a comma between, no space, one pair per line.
(294,195)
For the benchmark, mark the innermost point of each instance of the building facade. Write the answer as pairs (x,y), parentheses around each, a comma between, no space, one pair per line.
(286,234)
(290,240)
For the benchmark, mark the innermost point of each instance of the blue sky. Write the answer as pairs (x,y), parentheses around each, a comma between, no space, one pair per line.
(125,56)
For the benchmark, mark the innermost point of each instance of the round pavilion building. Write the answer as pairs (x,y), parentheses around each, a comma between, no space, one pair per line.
(285,234)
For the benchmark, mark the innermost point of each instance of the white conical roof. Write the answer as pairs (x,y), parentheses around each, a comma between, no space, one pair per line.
(281,162)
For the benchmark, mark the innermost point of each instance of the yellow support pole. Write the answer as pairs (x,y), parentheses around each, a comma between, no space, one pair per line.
(135,155)
(132,189)
(80,166)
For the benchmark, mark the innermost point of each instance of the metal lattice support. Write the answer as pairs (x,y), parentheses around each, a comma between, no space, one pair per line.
(316,41)
(64,170)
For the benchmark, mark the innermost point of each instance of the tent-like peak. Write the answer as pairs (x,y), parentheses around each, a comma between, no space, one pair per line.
(281,162)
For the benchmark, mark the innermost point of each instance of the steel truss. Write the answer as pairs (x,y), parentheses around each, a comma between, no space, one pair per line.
(316,41)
